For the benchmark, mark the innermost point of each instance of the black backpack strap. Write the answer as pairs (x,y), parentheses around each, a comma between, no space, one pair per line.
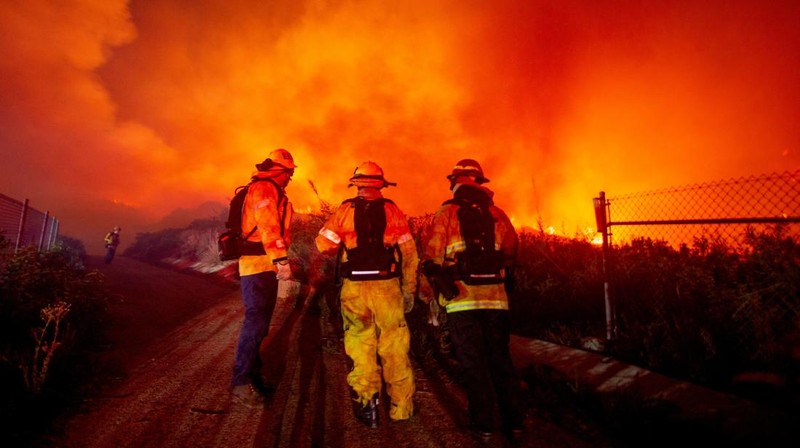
(370,222)
(480,263)
(476,223)
(370,259)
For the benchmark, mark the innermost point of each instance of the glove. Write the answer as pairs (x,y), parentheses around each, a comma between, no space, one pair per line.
(408,302)
(433,313)
(284,271)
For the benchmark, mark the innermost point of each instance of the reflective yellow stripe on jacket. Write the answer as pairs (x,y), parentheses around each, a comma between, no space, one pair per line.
(441,242)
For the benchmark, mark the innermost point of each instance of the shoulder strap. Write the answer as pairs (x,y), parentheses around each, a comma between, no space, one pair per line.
(476,223)
(370,222)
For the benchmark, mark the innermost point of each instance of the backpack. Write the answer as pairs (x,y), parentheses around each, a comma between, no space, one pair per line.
(232,244)
(480,263)
(370,259)
(111,239)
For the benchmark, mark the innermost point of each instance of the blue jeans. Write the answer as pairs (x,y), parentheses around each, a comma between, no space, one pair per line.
(110,250)
(259,294)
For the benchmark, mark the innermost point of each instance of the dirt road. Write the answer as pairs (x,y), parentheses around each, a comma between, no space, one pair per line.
(173,358)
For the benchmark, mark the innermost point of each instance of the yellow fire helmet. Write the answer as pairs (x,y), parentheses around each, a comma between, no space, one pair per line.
(369,174)
(277,160)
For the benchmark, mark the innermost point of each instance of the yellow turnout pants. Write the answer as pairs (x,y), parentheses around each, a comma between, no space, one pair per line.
(374,325)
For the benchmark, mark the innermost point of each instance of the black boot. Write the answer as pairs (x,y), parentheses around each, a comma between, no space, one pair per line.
(368,413)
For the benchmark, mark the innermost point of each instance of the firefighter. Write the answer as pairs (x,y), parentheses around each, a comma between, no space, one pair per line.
(267,210)
(112,241)
(466,252)
(378,265)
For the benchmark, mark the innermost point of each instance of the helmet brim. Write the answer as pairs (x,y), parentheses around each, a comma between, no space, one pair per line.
(478,178)
(370,181)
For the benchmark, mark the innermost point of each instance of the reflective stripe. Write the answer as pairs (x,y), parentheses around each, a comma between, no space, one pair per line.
(404,238)
(458,246)
(476,305)
(263,203)
(331,235)
(364,272)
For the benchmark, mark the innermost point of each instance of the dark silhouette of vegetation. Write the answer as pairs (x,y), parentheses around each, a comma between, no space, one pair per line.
(52,317)
(710,310)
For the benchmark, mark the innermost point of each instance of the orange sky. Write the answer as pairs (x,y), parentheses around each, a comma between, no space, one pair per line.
(119,112)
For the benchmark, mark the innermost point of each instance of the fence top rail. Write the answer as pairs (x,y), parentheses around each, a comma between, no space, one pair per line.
(779,219)
(790,177)
(5,198)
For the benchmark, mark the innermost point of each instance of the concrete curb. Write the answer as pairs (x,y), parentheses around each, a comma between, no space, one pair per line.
(675,404)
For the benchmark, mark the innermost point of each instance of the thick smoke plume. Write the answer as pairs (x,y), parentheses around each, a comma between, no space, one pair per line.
(116,113)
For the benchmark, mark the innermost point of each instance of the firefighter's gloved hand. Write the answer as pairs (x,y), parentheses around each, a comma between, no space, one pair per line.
(408,302)
(284,271)
(433,313)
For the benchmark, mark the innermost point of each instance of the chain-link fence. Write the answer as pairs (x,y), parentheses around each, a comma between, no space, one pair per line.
(715,209)
(707,275)
(24,226)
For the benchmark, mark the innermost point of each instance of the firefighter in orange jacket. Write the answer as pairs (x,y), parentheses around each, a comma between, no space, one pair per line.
(266,215)
(378,266)
(466,252)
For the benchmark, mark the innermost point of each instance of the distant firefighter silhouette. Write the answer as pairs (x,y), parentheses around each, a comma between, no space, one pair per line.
(112,241)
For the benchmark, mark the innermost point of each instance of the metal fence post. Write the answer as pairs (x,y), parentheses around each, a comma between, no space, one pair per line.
(44,230)
(53,233)
(600,213)
(21,229)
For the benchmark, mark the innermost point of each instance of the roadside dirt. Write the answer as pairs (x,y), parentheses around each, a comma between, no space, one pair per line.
(170,362)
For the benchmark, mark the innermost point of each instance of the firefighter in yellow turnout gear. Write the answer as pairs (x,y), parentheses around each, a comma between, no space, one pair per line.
(467,253)
(378,266)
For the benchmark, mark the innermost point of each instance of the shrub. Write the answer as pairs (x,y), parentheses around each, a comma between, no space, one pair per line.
(707,311)
(73,247)
(157,245)
(52,317)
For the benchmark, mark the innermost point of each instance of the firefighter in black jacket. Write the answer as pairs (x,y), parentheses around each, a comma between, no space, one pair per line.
(473,241)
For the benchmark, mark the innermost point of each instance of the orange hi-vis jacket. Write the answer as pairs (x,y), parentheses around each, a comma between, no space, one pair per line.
(340,229)
(442,240)
(272,213)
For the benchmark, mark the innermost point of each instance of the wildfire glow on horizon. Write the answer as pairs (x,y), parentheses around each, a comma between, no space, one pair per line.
(118,112)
